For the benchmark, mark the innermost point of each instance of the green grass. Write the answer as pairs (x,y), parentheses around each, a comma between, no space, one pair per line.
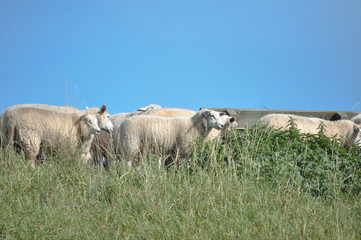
(259,184)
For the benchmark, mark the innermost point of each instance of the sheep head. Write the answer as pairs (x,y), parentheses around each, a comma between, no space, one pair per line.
(213,119)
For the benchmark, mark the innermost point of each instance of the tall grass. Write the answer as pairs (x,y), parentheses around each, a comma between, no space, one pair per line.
(258,184)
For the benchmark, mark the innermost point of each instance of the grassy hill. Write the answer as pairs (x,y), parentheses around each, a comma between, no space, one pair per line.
(257,184)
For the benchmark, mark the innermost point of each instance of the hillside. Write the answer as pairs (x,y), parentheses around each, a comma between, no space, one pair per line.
(255,184)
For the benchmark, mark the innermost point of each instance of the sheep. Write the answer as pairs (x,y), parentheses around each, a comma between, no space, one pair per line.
(228,122)
(36,130)
(163,135)
(101,114)
(341,129)
(356,119)
(177,112)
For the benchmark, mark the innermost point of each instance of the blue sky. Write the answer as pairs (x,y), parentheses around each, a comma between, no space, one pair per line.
(301,55)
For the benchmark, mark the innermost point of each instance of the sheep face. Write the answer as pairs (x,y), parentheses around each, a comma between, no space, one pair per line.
(357,134)
(91,123)
(214,119)
(104,120)
(229,121)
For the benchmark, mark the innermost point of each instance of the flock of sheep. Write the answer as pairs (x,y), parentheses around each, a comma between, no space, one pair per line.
(170,132)
(93,134)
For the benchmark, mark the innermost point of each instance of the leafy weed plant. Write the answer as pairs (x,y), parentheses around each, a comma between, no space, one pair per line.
(310,163)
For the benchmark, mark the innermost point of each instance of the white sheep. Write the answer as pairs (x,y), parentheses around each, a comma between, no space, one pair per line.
(103,117)
(163,135)
(227,121)
(356,119)
(341,129)
(36,130)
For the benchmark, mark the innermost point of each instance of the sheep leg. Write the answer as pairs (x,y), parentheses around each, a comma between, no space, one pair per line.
(132,153)
(129,163)
(160,163)
(31,147)
(87,158)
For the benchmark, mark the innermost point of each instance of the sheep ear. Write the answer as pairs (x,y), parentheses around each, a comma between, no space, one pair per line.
(143,109)
(232,119)
(102,109)
(336,117)
(82,117)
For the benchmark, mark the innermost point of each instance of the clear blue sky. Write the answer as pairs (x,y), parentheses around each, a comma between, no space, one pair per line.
(302,55)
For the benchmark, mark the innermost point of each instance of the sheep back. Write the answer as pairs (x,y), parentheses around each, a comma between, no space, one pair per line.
(171,112)
(341,128)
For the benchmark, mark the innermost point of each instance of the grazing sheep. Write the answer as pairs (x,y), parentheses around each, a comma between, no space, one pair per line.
(36,130)
(356,119)
(342,128)
(164,135)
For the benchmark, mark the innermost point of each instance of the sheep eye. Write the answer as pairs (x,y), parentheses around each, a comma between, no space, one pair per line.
(90,121)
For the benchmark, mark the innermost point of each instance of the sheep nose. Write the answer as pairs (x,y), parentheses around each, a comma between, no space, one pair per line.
(221,126)
(109,130)
(97,131)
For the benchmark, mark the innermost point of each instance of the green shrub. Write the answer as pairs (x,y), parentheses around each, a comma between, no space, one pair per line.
(310,163)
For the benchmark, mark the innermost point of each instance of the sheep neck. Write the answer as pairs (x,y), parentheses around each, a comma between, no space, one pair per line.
(200,126)
(83,132)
